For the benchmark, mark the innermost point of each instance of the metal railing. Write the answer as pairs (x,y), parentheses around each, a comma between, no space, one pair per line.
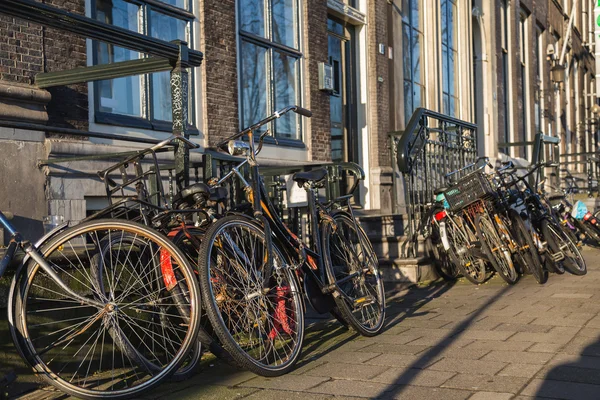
(431,146)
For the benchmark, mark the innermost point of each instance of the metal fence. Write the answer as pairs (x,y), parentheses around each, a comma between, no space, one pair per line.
(431,146)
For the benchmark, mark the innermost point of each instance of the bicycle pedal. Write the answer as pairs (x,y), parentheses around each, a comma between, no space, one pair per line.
(364,301)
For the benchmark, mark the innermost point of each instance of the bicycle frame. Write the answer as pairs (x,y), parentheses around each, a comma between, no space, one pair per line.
(17,240)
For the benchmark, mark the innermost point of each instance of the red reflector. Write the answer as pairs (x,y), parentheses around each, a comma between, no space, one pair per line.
(441,215)
(166,267)
(587,216)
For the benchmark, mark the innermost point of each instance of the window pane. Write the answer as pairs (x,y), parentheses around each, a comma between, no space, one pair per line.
(451,72)
(445,69)
(406,51)
(406,11)
(444,16)
(416,58)
(408,104)
(252,16)
(415,18)
(185,4)
(254,83)
(286,81)
(122,95)
(284,22)
(165,28)
(335,27)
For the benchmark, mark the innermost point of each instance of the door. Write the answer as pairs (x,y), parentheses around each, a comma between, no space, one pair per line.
(344,144)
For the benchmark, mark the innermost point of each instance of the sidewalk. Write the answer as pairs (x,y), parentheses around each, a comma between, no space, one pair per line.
(442,341)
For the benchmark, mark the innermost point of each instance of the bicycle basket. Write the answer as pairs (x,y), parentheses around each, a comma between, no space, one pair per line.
(468,190)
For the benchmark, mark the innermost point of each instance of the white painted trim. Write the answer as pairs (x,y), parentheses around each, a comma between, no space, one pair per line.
(363,112)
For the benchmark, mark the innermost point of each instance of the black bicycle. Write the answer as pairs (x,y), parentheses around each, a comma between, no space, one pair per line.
(253,269)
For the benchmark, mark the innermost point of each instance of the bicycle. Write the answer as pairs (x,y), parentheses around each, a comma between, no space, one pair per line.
(253,267)
(73,332)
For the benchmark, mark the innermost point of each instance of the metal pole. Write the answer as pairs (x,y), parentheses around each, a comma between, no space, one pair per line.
(180,100)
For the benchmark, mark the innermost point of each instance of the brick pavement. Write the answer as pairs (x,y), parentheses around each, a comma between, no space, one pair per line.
(442,341)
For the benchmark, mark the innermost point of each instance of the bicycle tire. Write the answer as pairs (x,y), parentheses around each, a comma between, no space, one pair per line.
(206,334)
(494,248)
(591,232)
(359,258)
(192,361)
(99,381)
(231,249)
(558,242)
(471,267)
(527,252)
(445,268)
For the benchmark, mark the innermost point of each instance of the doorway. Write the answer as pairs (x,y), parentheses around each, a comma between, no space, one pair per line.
(343,100)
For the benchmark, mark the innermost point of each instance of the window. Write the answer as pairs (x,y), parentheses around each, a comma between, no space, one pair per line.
(505,72)
(142,101)
(449,58)
(412,38)
(270,63)
(523,61)
(539,97)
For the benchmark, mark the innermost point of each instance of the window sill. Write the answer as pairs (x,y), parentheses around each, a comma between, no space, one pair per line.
(140,123)
(294,143)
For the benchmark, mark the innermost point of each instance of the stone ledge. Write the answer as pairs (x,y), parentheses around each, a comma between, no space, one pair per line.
(23,103)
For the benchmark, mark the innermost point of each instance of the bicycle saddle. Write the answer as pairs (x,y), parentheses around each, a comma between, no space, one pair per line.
(189,193)
(439,191)
(315,176)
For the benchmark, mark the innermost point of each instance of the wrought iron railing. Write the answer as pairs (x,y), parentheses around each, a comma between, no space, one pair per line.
(431,146)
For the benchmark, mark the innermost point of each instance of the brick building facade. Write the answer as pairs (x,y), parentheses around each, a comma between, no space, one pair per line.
(484,62)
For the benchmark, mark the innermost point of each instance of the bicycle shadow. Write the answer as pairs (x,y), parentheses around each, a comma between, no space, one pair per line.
(413,370)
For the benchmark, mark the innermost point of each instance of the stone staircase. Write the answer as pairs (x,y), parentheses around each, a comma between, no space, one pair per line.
(387,234)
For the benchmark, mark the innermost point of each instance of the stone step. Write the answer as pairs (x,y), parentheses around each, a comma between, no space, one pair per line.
(412,270)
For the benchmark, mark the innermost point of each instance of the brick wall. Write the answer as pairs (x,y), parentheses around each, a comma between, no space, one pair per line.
(31,49)
(378,91)
(219,69)
(316,51)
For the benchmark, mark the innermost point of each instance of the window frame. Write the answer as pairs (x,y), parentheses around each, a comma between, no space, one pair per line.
(419,32)
(445,64)
(147,120)
(524,58)
(272,46)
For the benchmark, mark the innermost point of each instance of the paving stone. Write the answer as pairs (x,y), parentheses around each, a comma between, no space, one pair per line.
(402,360)
(487,335)
(546,348)
(444,342)
(287,395)
(572,295)
(491,396)
(413,376)
(392,348)
(346,371)
(285,382)
(340,387)
(505,384)
(520,370)
(560,335)
(562,390)
(208,392)
(518,356)
(342,356)
(491,345)
(467,366)
(575,359)
(593,333)
(571,373)
(420,393)
(467,352)
(402,338)
(523,328)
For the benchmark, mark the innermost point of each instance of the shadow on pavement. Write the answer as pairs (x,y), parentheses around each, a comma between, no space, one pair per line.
(412,370)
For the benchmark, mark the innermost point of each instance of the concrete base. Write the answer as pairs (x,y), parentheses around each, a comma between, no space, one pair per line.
(407,270)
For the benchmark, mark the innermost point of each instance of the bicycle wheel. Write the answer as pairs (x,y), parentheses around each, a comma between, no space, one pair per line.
(262,328)
(495,249)
(591,232)
(352,265)
(470,267)
(527,254)
(100,273)
(562,250)
(70,343)
(444,266)
(189,244)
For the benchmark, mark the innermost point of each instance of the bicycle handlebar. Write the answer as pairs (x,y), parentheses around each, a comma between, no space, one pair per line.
(173,138)
(487,163)
(277,114)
